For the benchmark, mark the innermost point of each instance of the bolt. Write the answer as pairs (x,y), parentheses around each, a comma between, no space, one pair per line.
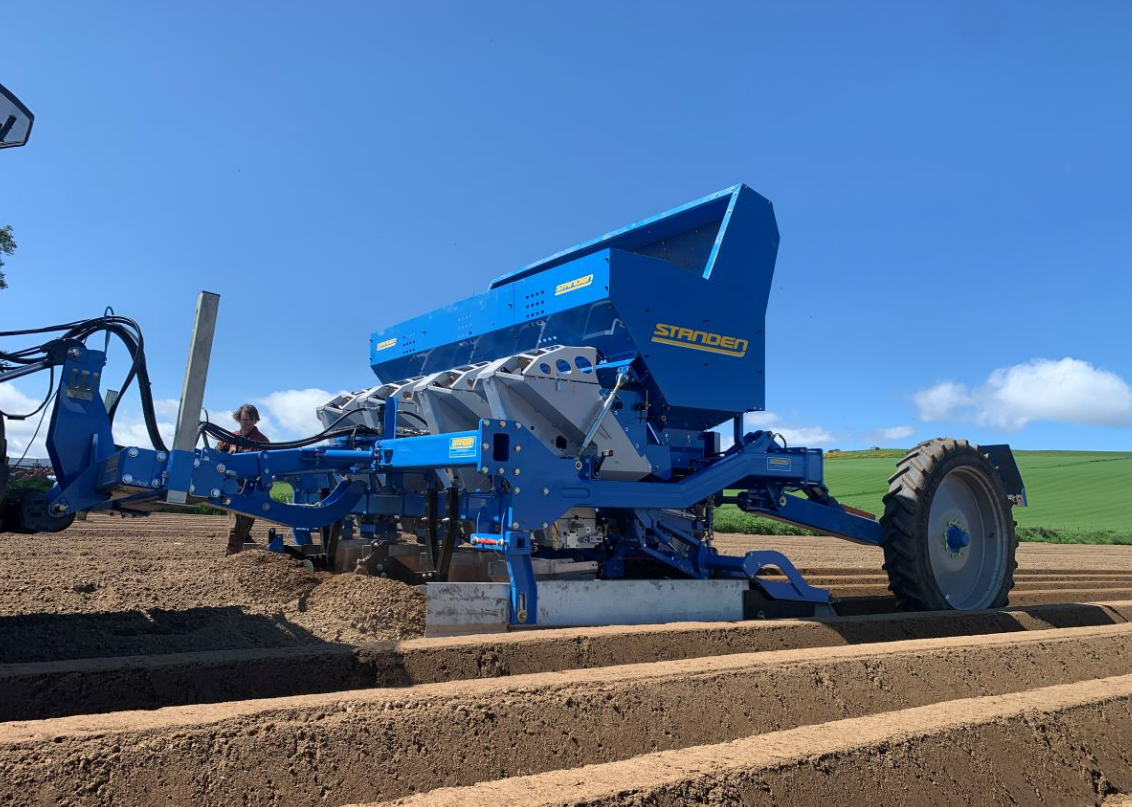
(487,423)
(545,525)
(58,509)
(546,491)
(502,470)
(162,456)
(483,470)
(196,463)
(503,424)
(215,493)
(518,425)
(521,615)
(518,491)
(486,446)
(133,452)
(578,465)
(781,501)
(514,525)
(128,479)
(220,468)
(156,483)
(266,507)
(518,449)
(74,353)
(516,472)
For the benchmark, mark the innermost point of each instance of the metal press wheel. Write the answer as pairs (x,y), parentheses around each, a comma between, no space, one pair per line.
(949,540)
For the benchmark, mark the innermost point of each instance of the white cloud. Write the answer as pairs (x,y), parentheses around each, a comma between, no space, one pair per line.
(166,408)
(130,429)
(19,432)
(813,436)
(1066,391)
(294,410)
(942,401)
(286,414)
(893,434)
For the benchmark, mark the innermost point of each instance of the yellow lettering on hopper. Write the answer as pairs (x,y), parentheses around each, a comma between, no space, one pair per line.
(699,340)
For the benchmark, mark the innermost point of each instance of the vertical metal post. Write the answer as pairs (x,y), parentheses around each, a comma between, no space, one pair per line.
(432,520)
(451,533)
(192,396)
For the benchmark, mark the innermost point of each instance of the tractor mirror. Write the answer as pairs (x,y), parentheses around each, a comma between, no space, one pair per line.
(15,120)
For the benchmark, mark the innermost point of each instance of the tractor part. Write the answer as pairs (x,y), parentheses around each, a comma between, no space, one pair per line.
(26,511)
(949,540)
(554,445)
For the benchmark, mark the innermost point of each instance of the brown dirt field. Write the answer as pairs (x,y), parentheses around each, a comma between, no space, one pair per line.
(114,587)
(302,689)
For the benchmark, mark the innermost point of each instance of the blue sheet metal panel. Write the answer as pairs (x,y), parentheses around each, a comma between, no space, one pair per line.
(746,248)
(79,432)
(474,316)
(703,344)
(729,239)
(678,235)
(565,305)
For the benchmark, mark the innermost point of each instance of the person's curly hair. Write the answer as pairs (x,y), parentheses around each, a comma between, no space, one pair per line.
(246,409)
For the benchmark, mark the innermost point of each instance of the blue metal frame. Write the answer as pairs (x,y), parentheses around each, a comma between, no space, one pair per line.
(675,304)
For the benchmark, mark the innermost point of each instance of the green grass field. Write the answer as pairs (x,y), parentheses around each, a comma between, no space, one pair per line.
(1074,496)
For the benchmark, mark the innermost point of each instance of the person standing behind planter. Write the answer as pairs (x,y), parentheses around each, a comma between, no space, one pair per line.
(240,527)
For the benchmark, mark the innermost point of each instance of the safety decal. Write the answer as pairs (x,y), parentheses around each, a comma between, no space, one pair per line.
(459,447)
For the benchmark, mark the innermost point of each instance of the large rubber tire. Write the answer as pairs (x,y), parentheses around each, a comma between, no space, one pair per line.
(945,492)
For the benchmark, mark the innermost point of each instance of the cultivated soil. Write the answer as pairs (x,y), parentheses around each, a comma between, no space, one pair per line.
(139,666)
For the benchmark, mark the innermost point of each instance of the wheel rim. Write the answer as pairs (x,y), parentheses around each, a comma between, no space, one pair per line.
(967,540)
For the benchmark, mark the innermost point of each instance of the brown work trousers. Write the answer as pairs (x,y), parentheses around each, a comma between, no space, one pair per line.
(239,532)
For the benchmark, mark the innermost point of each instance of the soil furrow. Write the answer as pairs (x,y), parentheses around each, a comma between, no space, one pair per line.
(381,744)
(1057,745)
(89,686)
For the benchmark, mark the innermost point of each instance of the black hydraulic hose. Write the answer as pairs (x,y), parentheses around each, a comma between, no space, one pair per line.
(329,432)
(135,345)
(129,332)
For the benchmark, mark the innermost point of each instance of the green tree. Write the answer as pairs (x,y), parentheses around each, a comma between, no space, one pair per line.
(7,247)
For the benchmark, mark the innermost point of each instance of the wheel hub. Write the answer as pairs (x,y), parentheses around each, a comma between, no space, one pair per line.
(956,538)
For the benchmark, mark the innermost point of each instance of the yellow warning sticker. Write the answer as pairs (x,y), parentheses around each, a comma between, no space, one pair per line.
(461,447)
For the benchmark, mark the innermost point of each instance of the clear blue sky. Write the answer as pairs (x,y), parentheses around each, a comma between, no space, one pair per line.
(951,181)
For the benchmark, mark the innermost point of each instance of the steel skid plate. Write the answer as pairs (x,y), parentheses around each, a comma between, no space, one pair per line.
(461,608)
